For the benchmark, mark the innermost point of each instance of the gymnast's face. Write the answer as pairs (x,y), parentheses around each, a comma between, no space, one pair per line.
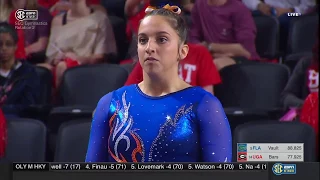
(159,48)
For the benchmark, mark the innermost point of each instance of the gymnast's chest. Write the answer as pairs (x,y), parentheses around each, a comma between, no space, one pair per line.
(153,129)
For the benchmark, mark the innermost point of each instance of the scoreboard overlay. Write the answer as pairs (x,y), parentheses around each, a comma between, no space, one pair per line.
(267,152)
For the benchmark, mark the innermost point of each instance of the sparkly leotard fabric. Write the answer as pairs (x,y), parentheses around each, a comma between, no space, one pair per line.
(186,126)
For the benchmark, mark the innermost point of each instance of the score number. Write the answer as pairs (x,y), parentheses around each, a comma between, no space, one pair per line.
(294,156)
(294,148)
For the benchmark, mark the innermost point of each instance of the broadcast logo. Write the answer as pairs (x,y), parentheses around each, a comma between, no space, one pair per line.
(242,147)
(23,15)
(279,169)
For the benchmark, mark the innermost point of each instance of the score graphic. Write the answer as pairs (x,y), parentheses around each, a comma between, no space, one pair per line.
(267,152)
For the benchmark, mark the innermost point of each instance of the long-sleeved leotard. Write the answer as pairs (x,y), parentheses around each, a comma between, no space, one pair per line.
(186,126)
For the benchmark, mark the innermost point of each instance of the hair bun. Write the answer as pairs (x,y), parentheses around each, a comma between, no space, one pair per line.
(174,9)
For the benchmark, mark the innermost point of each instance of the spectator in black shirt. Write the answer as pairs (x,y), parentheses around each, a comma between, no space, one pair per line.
(304,80)
(19,82)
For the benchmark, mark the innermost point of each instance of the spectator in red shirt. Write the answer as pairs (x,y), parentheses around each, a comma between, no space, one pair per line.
(47,3)
(33,38)
(197,69)
(134,9)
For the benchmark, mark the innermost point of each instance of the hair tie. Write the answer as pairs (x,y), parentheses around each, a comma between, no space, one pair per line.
(174,9)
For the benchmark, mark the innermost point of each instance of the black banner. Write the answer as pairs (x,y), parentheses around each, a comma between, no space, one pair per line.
(140,167)
(31,166)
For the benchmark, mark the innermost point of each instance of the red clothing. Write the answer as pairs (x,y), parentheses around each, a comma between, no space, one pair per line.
(70,63)
(47,3)
(3,134)
(134,22)
(310,113)
(93,2)
(313,78)
(197,69)
(20,52)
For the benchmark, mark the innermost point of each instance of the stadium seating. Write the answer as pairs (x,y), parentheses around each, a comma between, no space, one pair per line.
(26,140)
(72,141)
(252,91)
(119,30)
(81,89)
(46,85)
(292,59)
(128,67)
(254,85)
(301,39)
(302,34)
(267,39)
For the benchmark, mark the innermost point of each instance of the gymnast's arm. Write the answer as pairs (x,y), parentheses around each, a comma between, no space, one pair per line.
(98,141)
(215,132)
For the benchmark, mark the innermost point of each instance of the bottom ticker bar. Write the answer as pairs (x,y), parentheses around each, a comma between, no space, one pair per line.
(139,166)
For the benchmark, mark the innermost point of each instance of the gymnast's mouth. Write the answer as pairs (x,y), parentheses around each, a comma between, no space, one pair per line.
(151,59)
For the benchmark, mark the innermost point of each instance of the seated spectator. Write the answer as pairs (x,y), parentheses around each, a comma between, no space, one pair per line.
(83,35)
(6,13)
(187,5)
(60,6)
(19,82)
(134,10)
(226,28)
(36,32)
(280,9)
(6,7)
(6,10)
(197,69)
(304,80)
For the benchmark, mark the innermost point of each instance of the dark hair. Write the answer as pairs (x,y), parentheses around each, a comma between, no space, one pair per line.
(7,28)
(161,3)
(175,20)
